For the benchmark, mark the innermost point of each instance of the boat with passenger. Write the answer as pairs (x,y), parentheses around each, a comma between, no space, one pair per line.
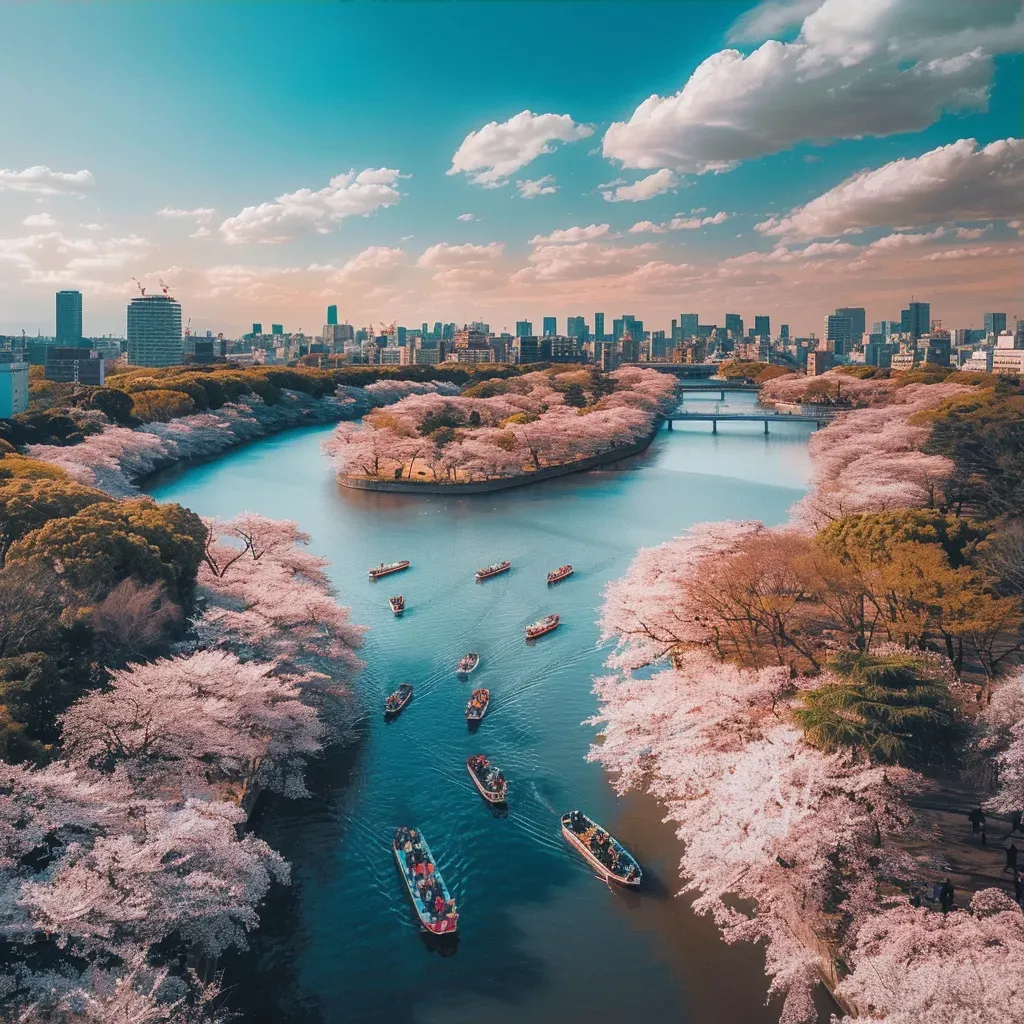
(560,573)
(397,604)
(435,909)
(387,568)
(542,626)
(477,706)
(397,700)
(487,778)
(493,570)
(468,663)
(601,850)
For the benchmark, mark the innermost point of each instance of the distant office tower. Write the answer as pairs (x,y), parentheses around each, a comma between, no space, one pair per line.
(857,320)
(277,328)
(69,318)
(995,323)
(688,323)
(734,325)
(332,314)
(79,365)
(916,319)
(257,328)
(524,329)
(887,328)
(154,331)
(660,345)
(576,327)
(784,332)
(627,324)
(550,326)
(839,331)
(438,329)
(599,326)
(424,331)
(762,327)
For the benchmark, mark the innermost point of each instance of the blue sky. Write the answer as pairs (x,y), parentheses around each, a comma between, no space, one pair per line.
(220,107)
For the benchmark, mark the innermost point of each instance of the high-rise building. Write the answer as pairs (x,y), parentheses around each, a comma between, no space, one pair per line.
(550,326)
(762,327)
(838,331)
(332,314)
(13,385)
(995,323)
(916,319)
(576,327)
(69,318)
(599,326)
(470,337)
(277,328)
(75,365)
(154,331)
(524,329)
(886,328)
(734,325)
(688,323)
(784,332)
(857,320)
(257,328)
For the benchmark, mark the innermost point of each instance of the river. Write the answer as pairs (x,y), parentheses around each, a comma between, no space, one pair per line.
(541,939)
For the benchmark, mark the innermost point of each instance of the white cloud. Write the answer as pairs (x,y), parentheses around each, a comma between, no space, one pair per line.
(93,226)
(55,258)
(533,187)
(646,188)
(296,213)
(647,227)
(467,217)
(571,234)
(679,223)
(491,155)
(445,255)
(42,181)
(770,19)
(202,214)
(954,182)
(374,263)
(39,220)
(201,232)
(581,261)
(856,69)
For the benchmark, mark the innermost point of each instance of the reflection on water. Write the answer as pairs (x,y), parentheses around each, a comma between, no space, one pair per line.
(540,936)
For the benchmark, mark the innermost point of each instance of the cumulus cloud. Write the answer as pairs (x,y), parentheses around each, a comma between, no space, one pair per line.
(42,181)
(445,255)
(572,234)
(297,213)
(39,220)
(201,232)
(467,216)
(55,258)
(201,214)
(770,19)
(581,261)
(491,155)
(855,70)
(956,182)
(530,188)
(375,262)
(646,188)
(678,223)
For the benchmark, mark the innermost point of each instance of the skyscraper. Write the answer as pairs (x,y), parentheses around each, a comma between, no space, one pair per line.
(576,327)
(154,331)
(550,326)
(524,329)
(734,325)
(332,314)
(762,327)
(839,331)
(995,323)
(599,326)
(784,332)
(277,328)
(69,319)
(688,325)
(257,328)
(916,319)
(857,319)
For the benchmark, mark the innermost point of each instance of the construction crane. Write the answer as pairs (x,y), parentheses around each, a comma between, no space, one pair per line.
(141,289)
(164,287)
(187,326)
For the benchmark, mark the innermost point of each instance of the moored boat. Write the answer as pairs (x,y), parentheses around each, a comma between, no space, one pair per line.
(397,604)
(435,909)
(487,778)
(542,626)
(387,568)
(601,850)
(468,663)
(477,706)
(397,700)
(493,570)
(560,573)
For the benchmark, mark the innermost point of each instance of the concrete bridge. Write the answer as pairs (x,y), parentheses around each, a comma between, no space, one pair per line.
(688,371)
(722,387)
(766,416)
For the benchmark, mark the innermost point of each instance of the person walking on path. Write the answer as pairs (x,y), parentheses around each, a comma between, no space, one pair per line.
(1011,859)
(977,819)
(946,895)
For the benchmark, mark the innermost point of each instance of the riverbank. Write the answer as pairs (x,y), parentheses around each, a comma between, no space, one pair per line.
(501,484)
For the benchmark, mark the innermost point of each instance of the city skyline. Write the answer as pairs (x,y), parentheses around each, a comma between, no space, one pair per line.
(268,200)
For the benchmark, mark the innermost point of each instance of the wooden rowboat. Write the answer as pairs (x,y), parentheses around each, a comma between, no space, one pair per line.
(387,568)
(493,570)
(397,604)
(467,665)
(588,838)
(542,626)
(477,706)
(560,573)
(487,778)
(397,700)
(415,862)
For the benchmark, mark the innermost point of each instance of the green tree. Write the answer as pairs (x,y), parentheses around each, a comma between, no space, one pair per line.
(890,708)
(114,404)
